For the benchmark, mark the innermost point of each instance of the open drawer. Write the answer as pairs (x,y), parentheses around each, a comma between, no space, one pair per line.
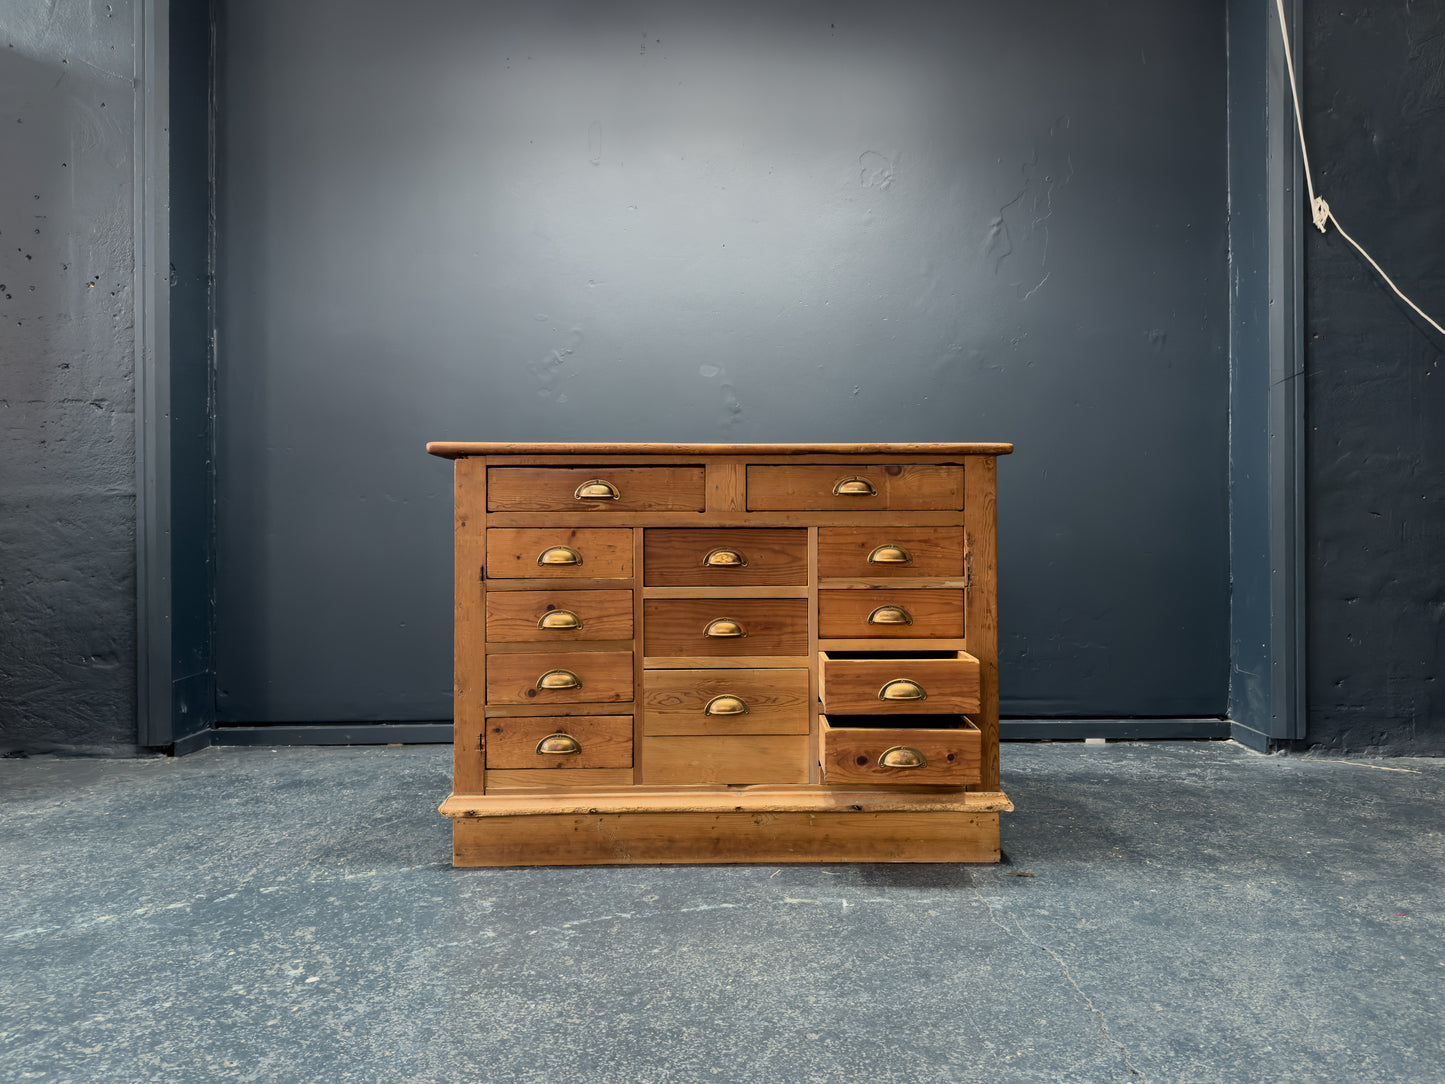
(897,682)
(944,750)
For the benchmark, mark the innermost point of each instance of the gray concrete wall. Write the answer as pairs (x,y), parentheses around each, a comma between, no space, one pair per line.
(67,404)
(691,221)
(1374,88)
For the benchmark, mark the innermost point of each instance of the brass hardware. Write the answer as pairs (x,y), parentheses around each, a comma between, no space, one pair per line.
(890,615)
(558,555)
(558,745)
(902,689)
(854,487)
(725,559)
(597,489)
(726,705)
(890,555)
(559,679)
(559,619)
(724,628)
(902,756)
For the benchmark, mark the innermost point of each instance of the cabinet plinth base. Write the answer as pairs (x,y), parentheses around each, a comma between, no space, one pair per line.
(755,837)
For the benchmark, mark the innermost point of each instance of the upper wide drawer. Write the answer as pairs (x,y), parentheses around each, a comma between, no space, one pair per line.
(595,489)
(890,487)
(557,617)
(881,552)
(582,553)
(720,557)
(725,626)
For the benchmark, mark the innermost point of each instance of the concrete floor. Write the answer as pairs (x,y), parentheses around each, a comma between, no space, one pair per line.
(1168,912)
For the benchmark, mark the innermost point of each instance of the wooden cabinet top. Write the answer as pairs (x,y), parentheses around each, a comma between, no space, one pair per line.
(460,449)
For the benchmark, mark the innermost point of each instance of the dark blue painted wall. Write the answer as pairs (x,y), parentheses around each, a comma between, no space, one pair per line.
(661,221)
(1375,105)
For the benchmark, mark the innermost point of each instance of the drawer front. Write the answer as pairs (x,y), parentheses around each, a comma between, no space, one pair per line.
(573,677)
(888,613)
(725,626)
(538,779)
(874,552)
(863,488)
(733,758)
(720,557)
(702,702)
(900,684)
(560,742)
(944,750)
(558,617)
(595,489)
(559,553)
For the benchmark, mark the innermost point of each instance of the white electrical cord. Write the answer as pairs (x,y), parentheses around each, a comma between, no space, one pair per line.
(1319,209)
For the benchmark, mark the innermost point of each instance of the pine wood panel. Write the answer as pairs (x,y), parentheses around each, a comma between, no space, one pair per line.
(553,489)
(898,486)
(844,614)
(469,625)
(606,676)
(774,627)
(529,779)
(605,740)
(676,558)
(513,552)
(981,543)
(727,758)
(851,685)
(758,798)
(673,701)
(669,838)
(851,754)
(644,450)
(936,551)
(513,616)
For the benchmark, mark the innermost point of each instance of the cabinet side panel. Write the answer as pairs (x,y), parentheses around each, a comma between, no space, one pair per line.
(981,606)
(470,677)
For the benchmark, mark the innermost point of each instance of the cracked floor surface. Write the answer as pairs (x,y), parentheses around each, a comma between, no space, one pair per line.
(1167,912)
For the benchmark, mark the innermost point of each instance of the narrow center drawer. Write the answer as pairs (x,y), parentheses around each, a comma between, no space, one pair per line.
(595,489)
(895,487)
(725,626)
(560,677)
(897,683)
(551,742)
(944,750)
(721,557)
(558,617)
(890,613)
(559,553)
(701,702)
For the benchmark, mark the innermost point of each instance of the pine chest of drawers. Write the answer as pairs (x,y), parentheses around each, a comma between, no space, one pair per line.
(725,653)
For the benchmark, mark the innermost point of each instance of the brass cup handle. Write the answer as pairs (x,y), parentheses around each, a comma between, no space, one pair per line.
(854,487)
(598,489)
(724,558)
(553,556)
(726,705)
(902,689)
(559,619)
(890,554)
(724,628)
(558,745)
(890,615)
(559,679)
(902,756)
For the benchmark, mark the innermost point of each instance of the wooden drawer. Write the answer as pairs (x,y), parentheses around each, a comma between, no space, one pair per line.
(701,702)
(558,778)
(595,489)
(897,683)
(560,553)
(575,741)
(893,487)
(558,617)
(731,758)
(698,626)
(946,750)
(888,613)
(576,677)
(720,557)
(875,552)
